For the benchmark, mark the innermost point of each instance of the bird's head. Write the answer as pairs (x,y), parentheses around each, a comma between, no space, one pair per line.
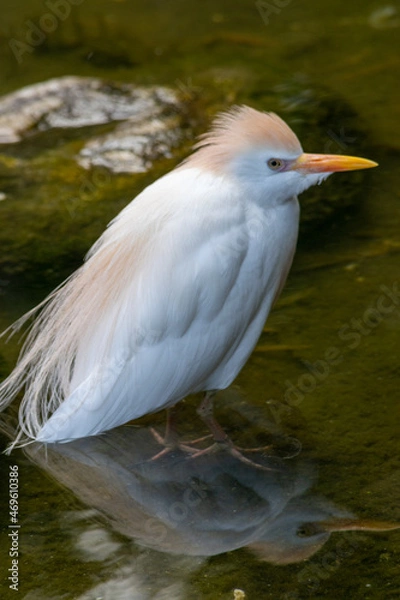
(304,526)
(262,153)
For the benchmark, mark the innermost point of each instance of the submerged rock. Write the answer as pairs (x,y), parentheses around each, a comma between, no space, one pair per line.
(70,137)
(71,102)
(385,17)
(133,146)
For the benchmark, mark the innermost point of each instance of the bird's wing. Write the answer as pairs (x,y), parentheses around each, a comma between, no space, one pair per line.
(161,314)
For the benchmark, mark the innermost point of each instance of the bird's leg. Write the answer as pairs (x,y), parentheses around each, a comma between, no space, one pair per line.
(206,413)
(170,441)
(170,437)
(221,439)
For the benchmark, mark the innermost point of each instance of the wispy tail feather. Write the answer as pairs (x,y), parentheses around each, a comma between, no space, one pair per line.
(66,318)
(39,369)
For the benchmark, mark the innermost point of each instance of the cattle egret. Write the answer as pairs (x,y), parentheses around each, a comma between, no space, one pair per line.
(172,298)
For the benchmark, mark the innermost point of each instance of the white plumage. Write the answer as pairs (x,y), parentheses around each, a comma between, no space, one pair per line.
(172,298)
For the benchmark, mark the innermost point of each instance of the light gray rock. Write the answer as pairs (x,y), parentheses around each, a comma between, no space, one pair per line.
(148,131)
(133,146)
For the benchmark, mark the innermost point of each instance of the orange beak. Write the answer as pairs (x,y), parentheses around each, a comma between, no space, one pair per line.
(330,163)
(349,524)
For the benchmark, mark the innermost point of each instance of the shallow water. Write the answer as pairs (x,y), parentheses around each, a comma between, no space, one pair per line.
(326,369)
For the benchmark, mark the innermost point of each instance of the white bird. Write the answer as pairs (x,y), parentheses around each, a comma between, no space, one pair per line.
(172,298)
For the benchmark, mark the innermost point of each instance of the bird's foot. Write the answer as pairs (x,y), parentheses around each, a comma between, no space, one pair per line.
(221,440)
(226,445)
(171,442)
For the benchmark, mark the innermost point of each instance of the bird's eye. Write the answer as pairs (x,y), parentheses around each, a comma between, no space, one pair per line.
(307,530)
(275,164)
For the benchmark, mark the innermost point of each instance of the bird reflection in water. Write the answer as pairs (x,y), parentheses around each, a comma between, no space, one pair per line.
(201,507)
